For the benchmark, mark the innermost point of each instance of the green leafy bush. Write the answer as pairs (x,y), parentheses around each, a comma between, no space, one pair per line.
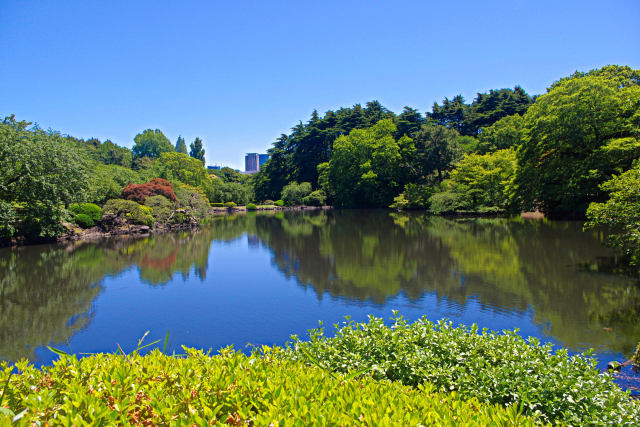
(192,200)
(130,210)
(229,205)
(268,202)
(316,198)
(217,205)
(84,220)
(162,208)
(229,388)
(447,202)
(499,368)
(279,203)
(251,207)
(92,211)
(293,193)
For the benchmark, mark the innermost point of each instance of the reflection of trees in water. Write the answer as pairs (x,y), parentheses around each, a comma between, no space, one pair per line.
(504,264)
(46,291)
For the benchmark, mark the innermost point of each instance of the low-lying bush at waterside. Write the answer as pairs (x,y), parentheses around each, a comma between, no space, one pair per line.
(499,368)
(230,205)
(84,221)
(129,210)
(93,211)
(279,203)
(230,388)
(251,207)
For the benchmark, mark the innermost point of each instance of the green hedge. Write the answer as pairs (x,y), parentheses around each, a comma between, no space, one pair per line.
(499,368)
(230,388)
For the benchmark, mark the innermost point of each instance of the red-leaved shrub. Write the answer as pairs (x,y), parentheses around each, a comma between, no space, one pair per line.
(155,187)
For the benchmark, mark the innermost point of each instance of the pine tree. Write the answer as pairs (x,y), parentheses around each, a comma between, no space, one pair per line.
(181,147)
(197,151)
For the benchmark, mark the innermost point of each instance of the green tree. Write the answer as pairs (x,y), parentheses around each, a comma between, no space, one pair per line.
(621,213)
(181,147)
(40,174)
(151,143)
(584,130)
(505,133)
(179,166)
(293,193)
(487,179)
(436,150)
(197,151)
(365,167)
(453,114)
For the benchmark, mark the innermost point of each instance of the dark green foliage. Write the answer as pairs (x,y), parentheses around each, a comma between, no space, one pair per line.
(315,198)
(293,193)
(229,388)
(151,143)
(436,151)
(500,368)
(181,147)
(620,213)
(414,196)
(84,220)
(91,210)
(197,151)
(129,210)
(251,207)
(449,201)
(584,130)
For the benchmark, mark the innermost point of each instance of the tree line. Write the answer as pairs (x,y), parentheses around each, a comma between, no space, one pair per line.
(571,152)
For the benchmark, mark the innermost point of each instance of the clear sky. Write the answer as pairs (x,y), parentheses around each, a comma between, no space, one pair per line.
(240,73)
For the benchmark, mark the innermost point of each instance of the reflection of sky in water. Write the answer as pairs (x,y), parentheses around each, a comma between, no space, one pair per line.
(243,299)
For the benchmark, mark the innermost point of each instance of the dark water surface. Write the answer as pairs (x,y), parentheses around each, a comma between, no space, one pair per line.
(259,278)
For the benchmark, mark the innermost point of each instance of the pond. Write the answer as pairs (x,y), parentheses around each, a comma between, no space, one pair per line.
(256,279)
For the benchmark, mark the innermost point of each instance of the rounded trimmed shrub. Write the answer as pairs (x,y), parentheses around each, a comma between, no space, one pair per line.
(279,203)
(93,211)
(217,204)
(84,220)
(251,207)
(230,205)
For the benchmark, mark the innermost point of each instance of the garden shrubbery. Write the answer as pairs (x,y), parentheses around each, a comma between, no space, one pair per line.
(92,211)
(84,221)
(251,207)
(229,388)
(499,368)
(129,210)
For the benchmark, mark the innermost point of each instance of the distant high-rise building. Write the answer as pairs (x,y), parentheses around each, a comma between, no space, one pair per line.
(262,159)
(214,167)
(251,163)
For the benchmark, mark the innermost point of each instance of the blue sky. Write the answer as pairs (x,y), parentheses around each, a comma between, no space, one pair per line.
(239,73)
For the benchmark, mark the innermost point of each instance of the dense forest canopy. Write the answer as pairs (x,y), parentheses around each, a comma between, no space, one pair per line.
(505,151)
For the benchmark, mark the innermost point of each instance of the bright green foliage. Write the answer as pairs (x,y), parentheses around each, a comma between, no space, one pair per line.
(414,196)
(293,193)
(107,181)
(181,147)
(129,210)
(500,368)
(220,191)
(93,211)
(251,207)
(365,167)
(151,143)
(621,213)
(315,198)
(197,151)
(179,166)
(162,208)
(486,179)
(636,357)
(106,152)
(40,173)
(84,221)
(230,205)
(279,203)
(584,130)
(192,199)
(503,134)
(229,388)
(451,199)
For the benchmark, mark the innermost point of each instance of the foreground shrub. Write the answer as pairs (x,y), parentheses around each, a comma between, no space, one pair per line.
(251,207)
(293,193)
(130,210)
(279,203)
(157,186)
(229,388)
(499,368)
(92,211)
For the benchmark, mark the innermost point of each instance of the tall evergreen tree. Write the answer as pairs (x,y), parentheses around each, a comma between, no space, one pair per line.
(197,151)
(181,147)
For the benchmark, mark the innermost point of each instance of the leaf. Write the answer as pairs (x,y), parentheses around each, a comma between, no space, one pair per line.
(58,351)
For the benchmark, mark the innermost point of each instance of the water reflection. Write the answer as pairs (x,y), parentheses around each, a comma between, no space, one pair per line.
(510,267)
